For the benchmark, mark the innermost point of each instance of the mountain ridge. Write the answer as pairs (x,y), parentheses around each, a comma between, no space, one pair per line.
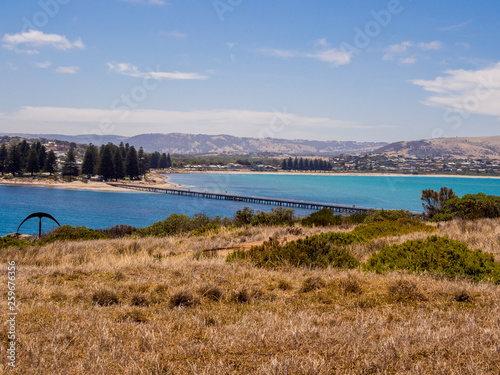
(182,143)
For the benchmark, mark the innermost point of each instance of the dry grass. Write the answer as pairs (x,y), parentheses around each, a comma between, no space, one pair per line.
(174,313)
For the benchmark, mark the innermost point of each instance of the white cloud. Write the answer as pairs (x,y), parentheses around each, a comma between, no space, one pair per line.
(322,43)
(471,91)
(36,39)
(332,55)
(132,71)
(174,34)
(43,65)
(397,48)
(67,69)
(401,48)
(454,27)
(226,121)
(431,46)
(146,2)
(408,60)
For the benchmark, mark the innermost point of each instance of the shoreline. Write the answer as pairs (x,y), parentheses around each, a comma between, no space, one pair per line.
(90,185)
(348,174)
(164,175)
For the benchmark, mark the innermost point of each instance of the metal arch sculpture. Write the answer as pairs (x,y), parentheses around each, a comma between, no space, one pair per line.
(39,215)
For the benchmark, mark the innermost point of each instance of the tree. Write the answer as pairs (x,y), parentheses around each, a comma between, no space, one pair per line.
(50,163)
(106,164)
(70,168)
(162,163)
(3,159)
(284,165)
(14,159)
(118,163)
(290,164)
(42,154)
(169,161)
(23,148)
(434,201)
(143,162)
(32,165)
(132,163)
(121,147)
(154,159)
(90,160)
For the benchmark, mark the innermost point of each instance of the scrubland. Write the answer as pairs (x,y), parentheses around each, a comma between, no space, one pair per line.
(172,306)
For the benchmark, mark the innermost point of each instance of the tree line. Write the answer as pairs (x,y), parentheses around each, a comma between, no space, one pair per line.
(109,161)
(33,158)
(117,162)
(305,164)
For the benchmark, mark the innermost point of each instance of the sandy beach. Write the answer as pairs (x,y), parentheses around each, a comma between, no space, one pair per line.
(157,177)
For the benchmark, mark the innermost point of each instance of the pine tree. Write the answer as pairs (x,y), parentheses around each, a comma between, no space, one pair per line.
(143,162)
(296,164)
(118,163)
(70,168)
(169,161)
(42,154)
(122,150)
(132,163)
(154,159)
(14,159)
(301,164)
(3,159)
(106,164)
(290,164)
(284,165)
(24,148)
(162,163)
(50,163)
(307,167)
(32,165)
(89,162)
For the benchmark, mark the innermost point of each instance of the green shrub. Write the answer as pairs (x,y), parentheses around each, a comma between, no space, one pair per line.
(390,215)
(470,207)
(390,228)
(436,255)
(6,242)
(173,224)
(315,251)
(322,218)
(69,233)
(118,231)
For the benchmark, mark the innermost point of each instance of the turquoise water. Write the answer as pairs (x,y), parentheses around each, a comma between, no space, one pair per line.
(103,209)
(365,191)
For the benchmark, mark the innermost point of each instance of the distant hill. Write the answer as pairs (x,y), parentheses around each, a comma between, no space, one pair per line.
(178,143)
(204,144)
(81,139)
(466,147)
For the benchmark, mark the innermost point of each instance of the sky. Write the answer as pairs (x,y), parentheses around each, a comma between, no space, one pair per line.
(364,70)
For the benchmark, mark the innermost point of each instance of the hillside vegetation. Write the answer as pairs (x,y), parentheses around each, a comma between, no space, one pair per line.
(261,298)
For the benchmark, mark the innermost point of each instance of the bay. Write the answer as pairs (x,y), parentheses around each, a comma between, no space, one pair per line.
(104,209)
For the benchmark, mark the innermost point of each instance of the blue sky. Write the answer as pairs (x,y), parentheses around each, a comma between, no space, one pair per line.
(326,70)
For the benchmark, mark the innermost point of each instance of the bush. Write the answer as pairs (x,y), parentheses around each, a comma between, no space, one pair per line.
(315,251)
(312,283)
(322,218)
(436,255)
(183,299)
(277,216)
(470,207)
(390,215)
(118,231)
(390,228)
(172,225)
(104,298)
(6,242)
(69,233)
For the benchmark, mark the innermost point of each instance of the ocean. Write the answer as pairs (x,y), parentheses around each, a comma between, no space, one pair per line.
(105,209)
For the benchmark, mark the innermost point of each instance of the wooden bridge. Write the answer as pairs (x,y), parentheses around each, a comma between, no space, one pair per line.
(248,199)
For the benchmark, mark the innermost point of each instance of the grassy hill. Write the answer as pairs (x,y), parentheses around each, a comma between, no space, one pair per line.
(170,305)
(461,148)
